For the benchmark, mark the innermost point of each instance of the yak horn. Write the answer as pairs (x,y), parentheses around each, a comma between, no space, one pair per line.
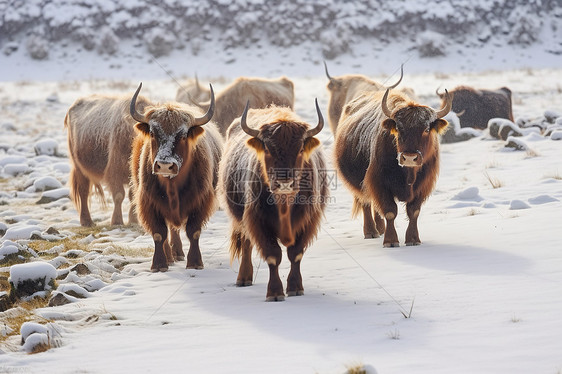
(447,107)
(326,69)
(207,117)
(133,107)
(399,80)
(247,129)
(319,126)
(384,107)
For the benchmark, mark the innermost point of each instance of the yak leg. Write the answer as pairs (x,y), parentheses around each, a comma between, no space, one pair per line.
(118,194)
(379,223)
(133,219)
(159,231)
(413,211)
(193,231)
(271,252)
(82,185)
(176,245)
(246,272)
(390,210)
(369,229)
(294,280)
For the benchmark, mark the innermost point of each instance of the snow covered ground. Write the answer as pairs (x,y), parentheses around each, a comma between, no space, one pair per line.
(482,292)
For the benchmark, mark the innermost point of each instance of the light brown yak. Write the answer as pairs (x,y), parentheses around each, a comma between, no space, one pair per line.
(387,149)
(174,167)
(100,137)
(258,91)
(192,93)
(273,185)
(345,88)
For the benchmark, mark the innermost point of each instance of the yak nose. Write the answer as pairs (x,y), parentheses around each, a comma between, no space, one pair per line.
(410,159)
(166,169)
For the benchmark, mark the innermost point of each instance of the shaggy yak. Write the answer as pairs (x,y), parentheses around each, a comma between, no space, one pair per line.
(100,138)
(273,185)
(174,168)
(260,92)
(387,149)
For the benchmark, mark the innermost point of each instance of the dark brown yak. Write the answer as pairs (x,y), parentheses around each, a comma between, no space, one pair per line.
(345,88)
(174,166)
(273,185)
(476,107)
(260,92)
(387,149)
(100,137)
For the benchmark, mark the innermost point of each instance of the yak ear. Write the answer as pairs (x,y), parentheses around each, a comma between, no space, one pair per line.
(440,125)
(309,145)
(390,125)
(195,132)
(143,127)
(256,144)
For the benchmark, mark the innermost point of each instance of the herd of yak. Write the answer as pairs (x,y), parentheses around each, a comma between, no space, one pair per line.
(247,150)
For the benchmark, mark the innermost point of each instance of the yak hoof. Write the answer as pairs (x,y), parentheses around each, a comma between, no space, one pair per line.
(413,244)
(156,270)
(391,245)
(179,258)
(275,298)
(243,283)
(372,236)
(196,267)
(295,293)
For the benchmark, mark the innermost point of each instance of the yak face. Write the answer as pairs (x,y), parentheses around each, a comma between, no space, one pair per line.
(282,149)
(172,137)
(415,130)
(173,133)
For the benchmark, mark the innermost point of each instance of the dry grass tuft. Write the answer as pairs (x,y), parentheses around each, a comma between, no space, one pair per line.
(494,182)
(355,369)
(531,153)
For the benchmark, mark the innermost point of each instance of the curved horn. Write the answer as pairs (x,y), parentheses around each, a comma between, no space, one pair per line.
(252,132)
(319,126)
(399,80)
(207,117)
(437,91)
(384,107)
(326,69)
(133,107)
(447,107)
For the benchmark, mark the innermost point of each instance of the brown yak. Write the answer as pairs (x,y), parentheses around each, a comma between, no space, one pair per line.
(192,93)
(260,92)
(387,149)
(100,137)
(345,88)
(174,168)
(476,107)
(273,185)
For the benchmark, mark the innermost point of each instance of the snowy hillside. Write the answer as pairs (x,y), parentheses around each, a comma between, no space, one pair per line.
(210,36)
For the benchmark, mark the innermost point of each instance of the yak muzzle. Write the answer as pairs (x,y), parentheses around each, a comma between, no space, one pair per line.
(165,169)
(410,159)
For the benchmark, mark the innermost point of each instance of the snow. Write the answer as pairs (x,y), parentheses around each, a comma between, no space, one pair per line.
(483,288)
(20,232)
(32,271)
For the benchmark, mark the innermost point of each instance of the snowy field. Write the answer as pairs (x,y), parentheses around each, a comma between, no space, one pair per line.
(482,293)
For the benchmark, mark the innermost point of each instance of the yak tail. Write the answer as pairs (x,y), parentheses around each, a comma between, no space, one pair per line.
(235,245)
(357,208)
(98,189)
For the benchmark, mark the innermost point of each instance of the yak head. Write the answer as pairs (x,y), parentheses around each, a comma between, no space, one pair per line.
(415,129)
(283,146)
(173,131)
